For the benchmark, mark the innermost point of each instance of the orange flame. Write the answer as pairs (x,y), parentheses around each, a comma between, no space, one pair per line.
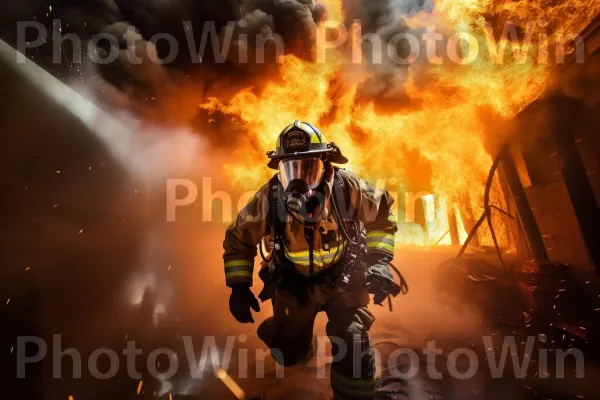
(447,130)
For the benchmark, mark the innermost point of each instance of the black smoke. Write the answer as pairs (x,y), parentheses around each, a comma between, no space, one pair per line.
(149,88)
(386,19)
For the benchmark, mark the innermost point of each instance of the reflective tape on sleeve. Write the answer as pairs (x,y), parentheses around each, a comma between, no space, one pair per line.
(235,269)
(379,240)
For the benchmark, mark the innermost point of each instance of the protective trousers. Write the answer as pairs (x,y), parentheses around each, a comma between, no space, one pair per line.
(289,335)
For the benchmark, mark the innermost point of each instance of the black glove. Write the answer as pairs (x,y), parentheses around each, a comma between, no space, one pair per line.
(240,302)
(381,287)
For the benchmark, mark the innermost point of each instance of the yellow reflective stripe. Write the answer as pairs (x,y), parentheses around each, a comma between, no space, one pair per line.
(380,245)
(239,263)
(238,274)
(319,257)
(238,269)
(244,268)
(304,253)
(379,234)
(379,240)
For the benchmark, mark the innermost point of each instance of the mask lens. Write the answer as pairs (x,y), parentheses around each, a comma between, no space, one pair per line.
(310,170)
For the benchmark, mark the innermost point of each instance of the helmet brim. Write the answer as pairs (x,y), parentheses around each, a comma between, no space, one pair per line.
(334,155)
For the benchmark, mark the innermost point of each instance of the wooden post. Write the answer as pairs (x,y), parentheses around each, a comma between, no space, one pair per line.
(468,218)
(452,222)
(567,115)
(526,217)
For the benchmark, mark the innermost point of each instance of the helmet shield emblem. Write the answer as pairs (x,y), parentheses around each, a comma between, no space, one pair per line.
(296,141)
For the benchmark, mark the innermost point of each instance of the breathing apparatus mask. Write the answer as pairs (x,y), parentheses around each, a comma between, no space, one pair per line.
(301,178)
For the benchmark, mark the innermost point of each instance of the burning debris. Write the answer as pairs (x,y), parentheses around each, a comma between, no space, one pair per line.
(376,104)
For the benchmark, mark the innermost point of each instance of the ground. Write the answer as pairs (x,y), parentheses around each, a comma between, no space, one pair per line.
(418,318)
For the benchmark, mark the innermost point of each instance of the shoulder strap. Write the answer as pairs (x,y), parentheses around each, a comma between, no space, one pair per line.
(342,197)
(276,219)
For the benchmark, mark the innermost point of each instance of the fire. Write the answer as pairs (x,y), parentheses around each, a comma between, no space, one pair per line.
(445,132)
(335,10)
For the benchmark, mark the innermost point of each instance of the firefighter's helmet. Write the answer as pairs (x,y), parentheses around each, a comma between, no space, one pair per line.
(303,139)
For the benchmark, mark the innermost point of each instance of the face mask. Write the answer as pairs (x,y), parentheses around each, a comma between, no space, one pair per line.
(310,170)
(299,178)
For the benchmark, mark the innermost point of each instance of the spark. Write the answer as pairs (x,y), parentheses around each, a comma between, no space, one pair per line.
(231,384)
(139,389)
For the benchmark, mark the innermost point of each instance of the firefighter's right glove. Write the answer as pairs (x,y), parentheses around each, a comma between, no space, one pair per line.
(241,301)
(381,287)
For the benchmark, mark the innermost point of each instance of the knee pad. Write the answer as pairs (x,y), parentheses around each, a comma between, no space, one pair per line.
(286,351)
(358,322)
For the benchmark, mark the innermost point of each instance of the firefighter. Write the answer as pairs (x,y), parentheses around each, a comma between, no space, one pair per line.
(329,238)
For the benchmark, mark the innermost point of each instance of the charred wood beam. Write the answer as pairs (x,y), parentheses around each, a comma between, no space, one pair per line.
(526,217)
(515,226)
(468,219)
(567,115)
(453,223)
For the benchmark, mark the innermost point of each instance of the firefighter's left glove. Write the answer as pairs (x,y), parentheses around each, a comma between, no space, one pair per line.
(241,301)
(381,287)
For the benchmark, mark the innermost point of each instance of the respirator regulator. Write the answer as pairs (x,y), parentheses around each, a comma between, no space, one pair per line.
(300,177)
(297,195)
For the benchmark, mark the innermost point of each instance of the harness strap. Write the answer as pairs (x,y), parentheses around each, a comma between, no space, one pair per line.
(309,233)
(277,225)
